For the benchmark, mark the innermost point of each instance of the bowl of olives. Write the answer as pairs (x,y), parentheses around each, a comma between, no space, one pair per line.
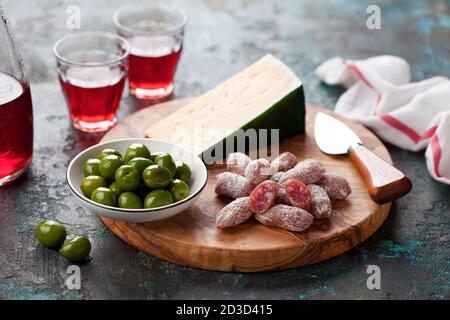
(136,180)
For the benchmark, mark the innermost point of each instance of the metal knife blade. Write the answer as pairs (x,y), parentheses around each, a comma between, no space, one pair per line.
(332,136)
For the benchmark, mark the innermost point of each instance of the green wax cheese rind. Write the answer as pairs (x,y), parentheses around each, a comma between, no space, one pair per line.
(287,115)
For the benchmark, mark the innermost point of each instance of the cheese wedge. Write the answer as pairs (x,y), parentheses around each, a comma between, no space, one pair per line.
(266,95)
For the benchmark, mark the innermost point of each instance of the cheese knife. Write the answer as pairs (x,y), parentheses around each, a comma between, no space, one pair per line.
(385,182)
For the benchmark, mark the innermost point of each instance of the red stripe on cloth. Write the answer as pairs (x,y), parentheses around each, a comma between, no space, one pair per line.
(360,75)
(375,110)
(437,153)
(408,131)
(411,133)
(429,132)
(393,122)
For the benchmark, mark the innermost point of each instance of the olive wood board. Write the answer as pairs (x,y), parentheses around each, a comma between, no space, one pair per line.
(191,238)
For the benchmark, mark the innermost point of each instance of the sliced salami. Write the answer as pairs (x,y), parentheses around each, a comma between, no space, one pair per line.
(286,217)
(237,162)
(320,202)
(263,196)
(234,213)
(298,194)
(284,162)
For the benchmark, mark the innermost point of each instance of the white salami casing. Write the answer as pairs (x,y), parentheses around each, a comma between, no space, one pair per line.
(286,217)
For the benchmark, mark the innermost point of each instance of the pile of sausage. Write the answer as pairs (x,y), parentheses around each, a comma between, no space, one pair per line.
(284,193)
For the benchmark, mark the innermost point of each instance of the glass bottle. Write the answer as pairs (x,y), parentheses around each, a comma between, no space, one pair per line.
(16,114)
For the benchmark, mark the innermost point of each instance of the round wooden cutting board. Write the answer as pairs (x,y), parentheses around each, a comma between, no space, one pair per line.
(191,238)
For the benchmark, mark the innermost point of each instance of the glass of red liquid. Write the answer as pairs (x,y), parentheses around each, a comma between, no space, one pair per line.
(155,34)
(16,111)
(92,68)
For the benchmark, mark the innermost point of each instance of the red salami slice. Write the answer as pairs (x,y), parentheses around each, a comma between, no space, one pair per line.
(263,196)
(298,193)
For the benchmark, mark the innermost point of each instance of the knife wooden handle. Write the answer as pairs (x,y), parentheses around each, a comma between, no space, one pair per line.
(385,182)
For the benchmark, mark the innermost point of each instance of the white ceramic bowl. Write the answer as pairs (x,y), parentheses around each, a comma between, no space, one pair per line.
(197,184)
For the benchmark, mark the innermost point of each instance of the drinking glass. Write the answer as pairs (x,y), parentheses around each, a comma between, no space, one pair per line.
(92,69)
(16,110)
(155,34)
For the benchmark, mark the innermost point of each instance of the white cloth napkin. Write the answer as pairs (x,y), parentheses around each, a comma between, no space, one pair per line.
(410,115)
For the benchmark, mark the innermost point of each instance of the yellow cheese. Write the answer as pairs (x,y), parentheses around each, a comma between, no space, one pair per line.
(265,95)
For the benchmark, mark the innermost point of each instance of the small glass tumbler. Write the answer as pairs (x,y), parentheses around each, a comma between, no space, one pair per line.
(92,69)
(155,34)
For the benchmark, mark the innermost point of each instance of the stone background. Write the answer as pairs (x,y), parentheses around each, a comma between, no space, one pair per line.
(412,247)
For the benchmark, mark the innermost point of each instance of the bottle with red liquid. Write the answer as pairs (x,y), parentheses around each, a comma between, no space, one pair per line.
(16,112)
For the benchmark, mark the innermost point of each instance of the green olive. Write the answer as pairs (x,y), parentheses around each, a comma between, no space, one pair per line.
(167,162)
(140,163)
(109,164)
(89,184)
(91,167)
(136,150)
(107,152)
(104,196)
(50,233)
(179,190)
(183,172)
(116,188)
(128,177)
(157,154)
(76,249)
(129,200)
(156,177)
(158,198)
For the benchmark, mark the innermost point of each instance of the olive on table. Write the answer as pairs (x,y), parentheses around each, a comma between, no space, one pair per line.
(136,150)
(156,177)
(89,184)
(183,172)
(179,190)
(116,188)
(107,152)
(104,196)
(140,163)
(167,162)
(76,249)
(129,200)
(91,167)
(109,164)
(128,177)
(158,198)
(51,233)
